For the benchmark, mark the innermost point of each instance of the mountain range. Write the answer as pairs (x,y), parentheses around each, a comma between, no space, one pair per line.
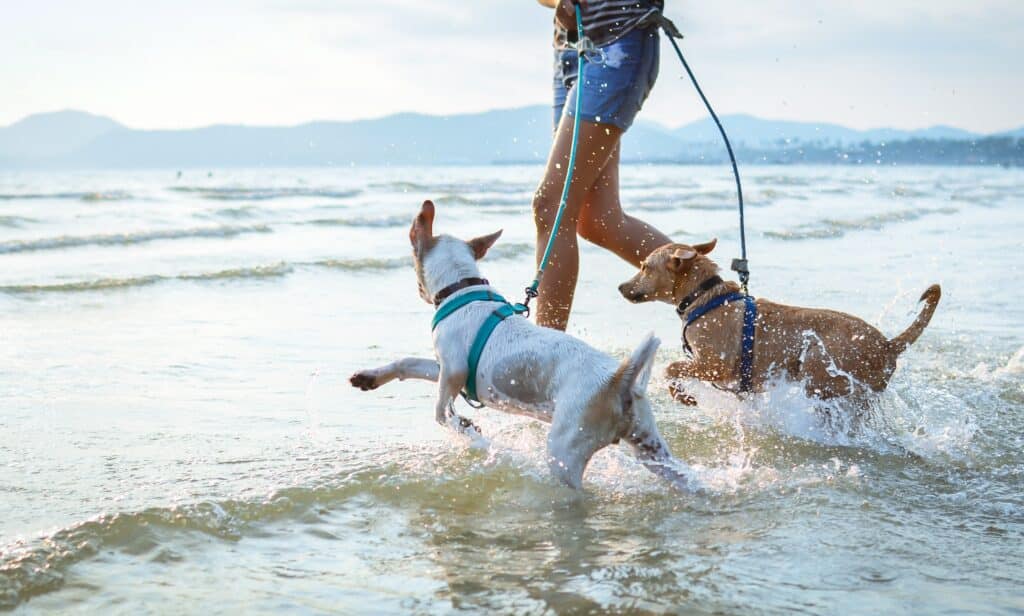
(75,139)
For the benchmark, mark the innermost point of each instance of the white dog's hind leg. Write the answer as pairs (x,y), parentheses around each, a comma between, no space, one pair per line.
(569,446)
(650,449)
(406,368)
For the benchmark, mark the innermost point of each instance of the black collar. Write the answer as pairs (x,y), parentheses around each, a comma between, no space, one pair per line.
(704,287)
(446,292)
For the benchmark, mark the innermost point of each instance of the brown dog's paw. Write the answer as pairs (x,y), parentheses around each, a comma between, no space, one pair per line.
(680,396)
(363,380)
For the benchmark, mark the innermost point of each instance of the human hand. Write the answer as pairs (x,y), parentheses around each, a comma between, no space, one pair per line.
(565,14)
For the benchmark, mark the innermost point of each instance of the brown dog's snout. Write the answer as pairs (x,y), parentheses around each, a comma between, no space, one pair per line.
(628,291)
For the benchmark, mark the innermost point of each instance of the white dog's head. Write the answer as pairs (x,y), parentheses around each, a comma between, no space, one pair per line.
(441,260)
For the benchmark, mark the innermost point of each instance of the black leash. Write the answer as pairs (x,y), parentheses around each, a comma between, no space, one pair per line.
(740,266)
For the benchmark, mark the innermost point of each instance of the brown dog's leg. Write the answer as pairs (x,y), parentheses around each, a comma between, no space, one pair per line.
(685,370)
(691,370)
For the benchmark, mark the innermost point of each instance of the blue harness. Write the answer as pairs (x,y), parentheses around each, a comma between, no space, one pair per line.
(503,312)
(749,318)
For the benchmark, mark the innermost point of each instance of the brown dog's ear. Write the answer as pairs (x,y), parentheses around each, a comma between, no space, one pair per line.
(423,225)
(680,256)
(481,244)
(706,247)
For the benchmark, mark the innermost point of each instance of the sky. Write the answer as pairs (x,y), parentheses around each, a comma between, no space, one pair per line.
(188,63)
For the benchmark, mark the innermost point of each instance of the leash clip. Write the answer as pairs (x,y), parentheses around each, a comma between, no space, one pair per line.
(530,294)
(741,267)
(586,48)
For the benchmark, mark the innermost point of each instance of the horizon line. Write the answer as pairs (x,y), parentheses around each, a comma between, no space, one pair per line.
(443,116)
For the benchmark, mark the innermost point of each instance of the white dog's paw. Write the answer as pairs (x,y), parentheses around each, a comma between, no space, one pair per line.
(680,395)
(364,380)
(469,429)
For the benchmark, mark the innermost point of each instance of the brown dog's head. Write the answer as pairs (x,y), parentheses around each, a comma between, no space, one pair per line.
(670,271)
(441,260)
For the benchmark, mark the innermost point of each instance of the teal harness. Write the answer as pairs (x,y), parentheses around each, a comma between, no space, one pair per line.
(503,312)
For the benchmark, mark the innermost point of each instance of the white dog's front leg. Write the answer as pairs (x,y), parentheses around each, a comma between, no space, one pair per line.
(448,388)
(406,368)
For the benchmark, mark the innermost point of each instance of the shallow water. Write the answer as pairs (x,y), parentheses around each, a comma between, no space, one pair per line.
(178,433)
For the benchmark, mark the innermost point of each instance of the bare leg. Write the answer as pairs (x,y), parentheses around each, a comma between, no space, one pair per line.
(596,144)
(406,368)
(602,221)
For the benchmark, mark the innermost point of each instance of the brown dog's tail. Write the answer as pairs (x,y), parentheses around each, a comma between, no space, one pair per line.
(931,299)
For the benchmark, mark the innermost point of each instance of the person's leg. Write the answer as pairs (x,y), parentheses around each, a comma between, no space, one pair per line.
(602,221)
(596,144)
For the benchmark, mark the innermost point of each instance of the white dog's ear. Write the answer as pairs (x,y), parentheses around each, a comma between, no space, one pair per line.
(680,256)
(480,245)
(706,247)
(422,229)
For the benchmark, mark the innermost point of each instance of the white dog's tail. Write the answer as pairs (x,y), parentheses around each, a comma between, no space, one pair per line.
(636,371)
(643,435)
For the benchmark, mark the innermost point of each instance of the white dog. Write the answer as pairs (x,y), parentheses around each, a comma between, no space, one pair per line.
(589,399)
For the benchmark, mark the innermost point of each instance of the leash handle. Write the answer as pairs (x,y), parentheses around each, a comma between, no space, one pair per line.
(531,291)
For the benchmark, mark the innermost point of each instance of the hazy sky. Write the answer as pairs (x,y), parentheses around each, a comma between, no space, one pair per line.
(161,64)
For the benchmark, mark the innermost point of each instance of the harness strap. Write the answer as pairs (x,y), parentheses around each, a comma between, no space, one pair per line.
(503,312)
(747,339)
(747,360)
(476,350)
(451,306)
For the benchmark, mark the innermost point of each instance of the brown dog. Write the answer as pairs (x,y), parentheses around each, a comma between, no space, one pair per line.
(834,354)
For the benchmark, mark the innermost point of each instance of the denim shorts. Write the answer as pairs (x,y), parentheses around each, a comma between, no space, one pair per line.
(613,90)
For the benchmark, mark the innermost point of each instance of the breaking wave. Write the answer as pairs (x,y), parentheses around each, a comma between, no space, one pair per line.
(364,221)
(454,188)
(368,264)
(834,227)
(111,195)
(34,567)
(480,201)
(276,270)
(263,194)
(14,222)
(126,239)
(103,284)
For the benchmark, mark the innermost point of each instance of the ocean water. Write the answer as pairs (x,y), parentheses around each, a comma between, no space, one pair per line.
(177,433)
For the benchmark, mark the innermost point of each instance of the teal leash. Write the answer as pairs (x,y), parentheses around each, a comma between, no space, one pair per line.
(581,44)
(507,310)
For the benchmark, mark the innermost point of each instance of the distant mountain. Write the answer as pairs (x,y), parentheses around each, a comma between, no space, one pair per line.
(758,132)
(72,139)
(54,134)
